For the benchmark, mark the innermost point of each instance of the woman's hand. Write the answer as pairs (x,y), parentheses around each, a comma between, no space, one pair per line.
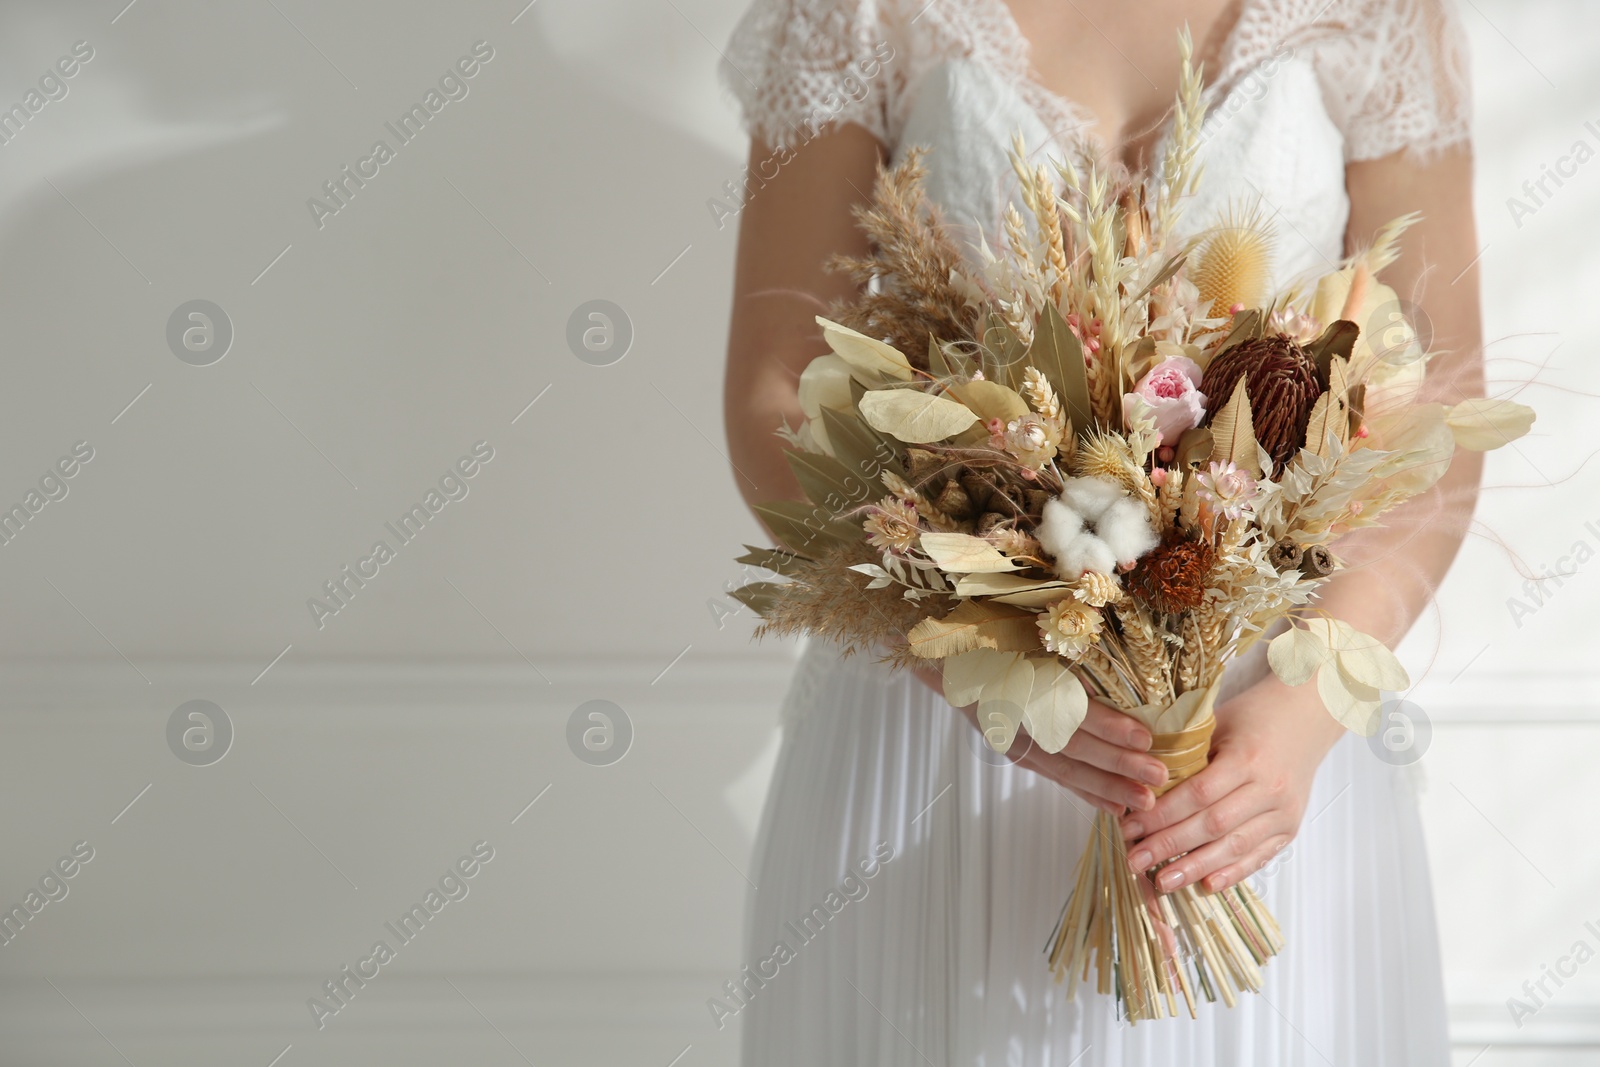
(1105,762)
(1247,803)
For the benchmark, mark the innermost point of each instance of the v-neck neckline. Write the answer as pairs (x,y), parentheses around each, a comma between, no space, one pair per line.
(1087,128)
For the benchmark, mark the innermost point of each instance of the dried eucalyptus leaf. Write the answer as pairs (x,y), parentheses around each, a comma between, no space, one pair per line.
(914,416)
(959,553)
(871,357)
(1058,355)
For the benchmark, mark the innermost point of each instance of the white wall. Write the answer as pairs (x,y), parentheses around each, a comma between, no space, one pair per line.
(424,716)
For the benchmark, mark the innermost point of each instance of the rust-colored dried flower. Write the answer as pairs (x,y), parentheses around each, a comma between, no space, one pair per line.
(1281,381)
(1174,575)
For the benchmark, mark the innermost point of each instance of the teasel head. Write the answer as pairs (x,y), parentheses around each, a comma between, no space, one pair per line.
(1234,264)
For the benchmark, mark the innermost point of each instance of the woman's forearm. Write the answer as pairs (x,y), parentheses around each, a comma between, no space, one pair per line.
(788,231)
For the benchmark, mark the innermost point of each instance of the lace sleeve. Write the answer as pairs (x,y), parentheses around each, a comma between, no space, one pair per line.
(1400,81)
(797,67)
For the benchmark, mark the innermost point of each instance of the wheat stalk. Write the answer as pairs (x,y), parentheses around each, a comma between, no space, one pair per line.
(1148,661)
(1038,391)
(929,511)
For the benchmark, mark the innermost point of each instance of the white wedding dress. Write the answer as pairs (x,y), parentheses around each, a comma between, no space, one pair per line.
(934,956)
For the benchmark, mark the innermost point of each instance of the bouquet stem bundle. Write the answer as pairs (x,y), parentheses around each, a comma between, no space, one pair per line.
(1222,938)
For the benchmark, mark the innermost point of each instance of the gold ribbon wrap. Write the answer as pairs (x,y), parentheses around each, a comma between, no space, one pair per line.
(1185,752)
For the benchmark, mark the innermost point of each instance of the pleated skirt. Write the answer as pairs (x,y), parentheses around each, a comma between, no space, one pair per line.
(907,880)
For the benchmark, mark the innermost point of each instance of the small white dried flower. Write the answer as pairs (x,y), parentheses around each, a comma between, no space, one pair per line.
(892,526)
(1069,627)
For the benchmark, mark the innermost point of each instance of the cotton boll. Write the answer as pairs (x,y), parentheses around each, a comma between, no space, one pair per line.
(1086,553)
(1091,496)
(1094,526)
(1076,549)
(1125,528)
(1058,526)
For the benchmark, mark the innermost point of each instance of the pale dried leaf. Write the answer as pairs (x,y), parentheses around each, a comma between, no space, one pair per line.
(971,625)
(1233,434)
(825,383)
(990,400)
(1000,584)
(1352,703)
(913,416)
(966,675)
(1481,424)
(872,358)
(1001,703)
(1364,658)
(959,553)
(1296,654)
(1056,705)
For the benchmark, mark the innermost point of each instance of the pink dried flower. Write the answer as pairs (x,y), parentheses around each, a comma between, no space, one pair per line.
(1088,337)
(1228,488)
(1171,389)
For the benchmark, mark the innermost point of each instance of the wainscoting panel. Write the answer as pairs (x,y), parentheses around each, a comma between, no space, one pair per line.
(221,898)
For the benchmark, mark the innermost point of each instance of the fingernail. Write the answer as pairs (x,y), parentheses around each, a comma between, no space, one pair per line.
(1146,800)
(1132,829)
(1142,740)
(1140,861)
(1170,879)
(1156,774)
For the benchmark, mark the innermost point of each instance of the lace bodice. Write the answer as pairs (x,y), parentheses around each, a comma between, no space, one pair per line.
(1302,88)
(1392,73)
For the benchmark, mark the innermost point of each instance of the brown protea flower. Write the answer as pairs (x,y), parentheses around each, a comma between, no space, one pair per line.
(1174,575)
(1281,381)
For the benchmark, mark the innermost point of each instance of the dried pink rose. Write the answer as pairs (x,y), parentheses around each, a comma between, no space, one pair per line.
(1171,389)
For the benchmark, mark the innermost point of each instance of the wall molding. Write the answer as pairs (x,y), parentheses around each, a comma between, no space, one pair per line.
(1480,698)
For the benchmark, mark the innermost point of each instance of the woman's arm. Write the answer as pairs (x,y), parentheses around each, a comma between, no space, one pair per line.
(1248,803)
(787,231)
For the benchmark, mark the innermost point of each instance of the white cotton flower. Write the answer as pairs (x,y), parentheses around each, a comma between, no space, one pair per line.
(1094,526)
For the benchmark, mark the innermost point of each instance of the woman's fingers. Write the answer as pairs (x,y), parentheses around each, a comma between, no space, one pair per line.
(1087,748)
(1078,775)
(1201,828)
(1234,873)
(1231,848)
(1113,727)
(1219,778)
(1105,805)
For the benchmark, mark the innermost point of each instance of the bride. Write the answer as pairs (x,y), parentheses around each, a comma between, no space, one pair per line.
(908,878)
